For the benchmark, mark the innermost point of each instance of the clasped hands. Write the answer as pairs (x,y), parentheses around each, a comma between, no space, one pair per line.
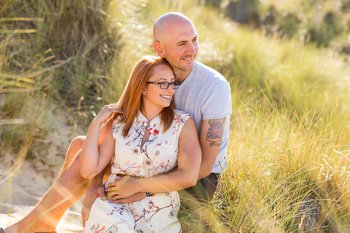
(121,191)
(122,188)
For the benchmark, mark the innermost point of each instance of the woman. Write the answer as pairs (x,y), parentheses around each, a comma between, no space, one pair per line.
(149,139)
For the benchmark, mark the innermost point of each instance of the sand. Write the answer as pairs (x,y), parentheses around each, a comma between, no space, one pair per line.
(21,189)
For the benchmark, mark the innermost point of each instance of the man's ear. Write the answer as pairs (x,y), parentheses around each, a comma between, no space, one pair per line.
(158,48)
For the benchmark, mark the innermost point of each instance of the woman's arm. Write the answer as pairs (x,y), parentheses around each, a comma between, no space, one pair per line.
(186,174)
(98,147)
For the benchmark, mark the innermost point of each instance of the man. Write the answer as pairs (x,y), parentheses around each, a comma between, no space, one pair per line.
(204,93)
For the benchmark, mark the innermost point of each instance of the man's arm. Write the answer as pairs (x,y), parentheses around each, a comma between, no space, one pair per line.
(188,166)
(210,140)
(211,136)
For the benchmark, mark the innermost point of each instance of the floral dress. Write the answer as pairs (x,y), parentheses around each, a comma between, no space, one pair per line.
(157,213)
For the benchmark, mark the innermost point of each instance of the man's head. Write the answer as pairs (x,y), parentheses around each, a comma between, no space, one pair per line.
(175,39)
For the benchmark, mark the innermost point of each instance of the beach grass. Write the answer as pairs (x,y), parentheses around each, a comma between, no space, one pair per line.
(290,130)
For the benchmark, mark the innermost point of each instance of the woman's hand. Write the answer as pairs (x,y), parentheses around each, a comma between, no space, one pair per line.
(121,188)
(106,113)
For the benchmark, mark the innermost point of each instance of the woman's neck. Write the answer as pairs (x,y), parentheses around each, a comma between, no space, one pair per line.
(149,113)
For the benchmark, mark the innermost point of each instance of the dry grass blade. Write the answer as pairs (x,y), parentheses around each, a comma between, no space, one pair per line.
(21,19)
(18,31)
(11,121)
(25,82)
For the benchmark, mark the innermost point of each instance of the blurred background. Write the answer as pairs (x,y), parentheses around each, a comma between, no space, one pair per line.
(288,65)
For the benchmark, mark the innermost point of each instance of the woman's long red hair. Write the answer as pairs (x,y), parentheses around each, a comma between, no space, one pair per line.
(131,99)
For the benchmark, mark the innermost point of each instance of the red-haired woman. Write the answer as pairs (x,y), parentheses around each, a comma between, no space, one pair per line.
(149,139)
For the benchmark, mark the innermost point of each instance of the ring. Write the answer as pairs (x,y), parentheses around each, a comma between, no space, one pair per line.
(115,193)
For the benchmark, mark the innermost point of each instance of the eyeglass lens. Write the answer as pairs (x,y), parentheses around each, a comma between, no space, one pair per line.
(165,85)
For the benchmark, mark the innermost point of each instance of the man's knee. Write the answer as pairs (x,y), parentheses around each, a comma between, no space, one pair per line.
(75,146)
(77,143)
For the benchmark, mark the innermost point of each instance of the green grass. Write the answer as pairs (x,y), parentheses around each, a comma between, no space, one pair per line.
(290,131)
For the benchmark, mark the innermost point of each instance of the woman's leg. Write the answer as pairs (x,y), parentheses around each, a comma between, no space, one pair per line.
(157,213)
(109,217)
(64,192)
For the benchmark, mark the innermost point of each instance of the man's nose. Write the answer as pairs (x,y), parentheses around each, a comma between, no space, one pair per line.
(192,48)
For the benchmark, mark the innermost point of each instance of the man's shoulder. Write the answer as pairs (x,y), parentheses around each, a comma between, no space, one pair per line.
(209,73)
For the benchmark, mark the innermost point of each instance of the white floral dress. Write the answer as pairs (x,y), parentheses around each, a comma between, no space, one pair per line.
(157,213)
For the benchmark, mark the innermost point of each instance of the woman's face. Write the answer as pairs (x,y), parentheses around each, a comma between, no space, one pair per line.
(155,95)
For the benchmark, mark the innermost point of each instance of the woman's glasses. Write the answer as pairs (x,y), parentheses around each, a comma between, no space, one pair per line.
(165,85)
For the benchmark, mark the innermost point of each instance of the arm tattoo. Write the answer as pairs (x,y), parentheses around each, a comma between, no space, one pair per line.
(215,131)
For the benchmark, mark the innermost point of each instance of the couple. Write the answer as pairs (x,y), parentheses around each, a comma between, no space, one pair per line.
(203,93)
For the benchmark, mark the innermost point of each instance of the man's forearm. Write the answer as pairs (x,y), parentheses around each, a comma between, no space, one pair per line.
(206,167)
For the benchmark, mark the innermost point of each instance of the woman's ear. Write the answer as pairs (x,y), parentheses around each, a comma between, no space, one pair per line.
(144,91)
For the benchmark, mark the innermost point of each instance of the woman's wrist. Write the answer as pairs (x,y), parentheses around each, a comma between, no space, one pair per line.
(96,123)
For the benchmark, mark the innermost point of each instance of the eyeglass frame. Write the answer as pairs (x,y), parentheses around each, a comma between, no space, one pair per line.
(175,85)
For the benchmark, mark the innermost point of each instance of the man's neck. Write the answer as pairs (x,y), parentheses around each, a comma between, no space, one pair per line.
(181,75)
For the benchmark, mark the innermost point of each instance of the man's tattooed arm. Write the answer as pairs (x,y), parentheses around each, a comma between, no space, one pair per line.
(215,131)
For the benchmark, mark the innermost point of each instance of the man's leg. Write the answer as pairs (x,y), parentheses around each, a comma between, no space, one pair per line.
(65,191)
(195,204)
(205,188)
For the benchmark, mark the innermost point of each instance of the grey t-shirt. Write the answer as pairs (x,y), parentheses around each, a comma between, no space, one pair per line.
(206,94)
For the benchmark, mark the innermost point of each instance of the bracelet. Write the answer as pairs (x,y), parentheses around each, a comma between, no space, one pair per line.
(148,194)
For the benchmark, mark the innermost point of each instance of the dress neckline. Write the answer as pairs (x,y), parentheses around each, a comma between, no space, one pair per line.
(145,122)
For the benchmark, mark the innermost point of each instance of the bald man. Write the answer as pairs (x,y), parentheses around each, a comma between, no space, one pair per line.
(204,93)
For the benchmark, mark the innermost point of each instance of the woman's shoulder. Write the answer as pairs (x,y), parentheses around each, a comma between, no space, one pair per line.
(180,119)
(181,115)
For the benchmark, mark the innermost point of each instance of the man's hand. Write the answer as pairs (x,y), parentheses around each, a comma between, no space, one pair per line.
(122,187)
(126,200)
(92,193)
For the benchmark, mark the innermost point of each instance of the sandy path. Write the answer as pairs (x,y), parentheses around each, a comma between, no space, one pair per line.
(20,191)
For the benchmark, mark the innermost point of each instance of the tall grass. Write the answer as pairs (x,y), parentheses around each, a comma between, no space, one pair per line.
(290,131)
(55,58)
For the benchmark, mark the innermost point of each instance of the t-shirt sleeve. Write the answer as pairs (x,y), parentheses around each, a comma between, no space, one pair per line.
(218,104)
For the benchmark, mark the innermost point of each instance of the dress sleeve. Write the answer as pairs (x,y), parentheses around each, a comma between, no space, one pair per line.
(180,119)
